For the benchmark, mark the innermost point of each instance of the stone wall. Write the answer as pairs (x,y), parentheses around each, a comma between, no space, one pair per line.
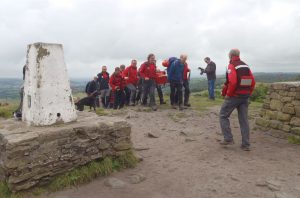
(281,108)
(31,156)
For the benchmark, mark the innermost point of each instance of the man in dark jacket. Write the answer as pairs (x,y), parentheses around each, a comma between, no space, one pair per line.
(210,71)
(103,80)
(175,77)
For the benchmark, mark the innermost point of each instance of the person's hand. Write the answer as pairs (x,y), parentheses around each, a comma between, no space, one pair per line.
(116,87)
(227,97)
(146,78)
(126,78)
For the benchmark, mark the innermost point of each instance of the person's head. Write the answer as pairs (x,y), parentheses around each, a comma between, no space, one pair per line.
(207,60)
(151,58)
(122,67)
(183,58)
(234,52)
(117,70)
(95,78)
(104,68)
(133,63)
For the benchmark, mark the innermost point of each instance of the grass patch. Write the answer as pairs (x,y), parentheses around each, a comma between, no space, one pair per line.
(6,110)
(202,103)
(79,175)
(293,139)
(101,112)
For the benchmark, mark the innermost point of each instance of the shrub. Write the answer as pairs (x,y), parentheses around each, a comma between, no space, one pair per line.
(259,92)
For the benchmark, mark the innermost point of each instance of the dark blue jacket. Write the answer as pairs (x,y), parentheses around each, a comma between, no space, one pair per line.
(175,73)
(103,82)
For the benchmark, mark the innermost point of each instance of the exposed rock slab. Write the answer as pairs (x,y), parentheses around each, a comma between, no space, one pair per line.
(31,156)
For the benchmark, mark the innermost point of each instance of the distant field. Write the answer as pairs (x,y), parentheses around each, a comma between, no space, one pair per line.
(9,87)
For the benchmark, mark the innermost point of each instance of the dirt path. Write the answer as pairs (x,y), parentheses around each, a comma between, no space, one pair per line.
(186,161)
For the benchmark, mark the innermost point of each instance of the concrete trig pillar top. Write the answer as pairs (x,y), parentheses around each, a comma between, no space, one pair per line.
(47,93)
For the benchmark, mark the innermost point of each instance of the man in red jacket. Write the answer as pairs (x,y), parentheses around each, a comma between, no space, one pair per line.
(117,84)
(130,75)
(148,74)
(237,89)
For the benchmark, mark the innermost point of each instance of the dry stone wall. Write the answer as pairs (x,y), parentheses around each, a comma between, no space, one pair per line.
(31,156)
(281,108)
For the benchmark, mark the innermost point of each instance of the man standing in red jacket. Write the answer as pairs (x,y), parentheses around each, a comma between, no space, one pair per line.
(148,74)
(130,75)
(237,89)
(117,84)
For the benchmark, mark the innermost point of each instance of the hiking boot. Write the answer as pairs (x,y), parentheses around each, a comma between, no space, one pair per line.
(162,102)
(227,142)
(174,107)
(245,148)
(187,104)
(180,108)
(154,107)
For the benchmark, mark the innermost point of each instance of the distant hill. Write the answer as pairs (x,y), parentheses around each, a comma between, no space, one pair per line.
(9,87)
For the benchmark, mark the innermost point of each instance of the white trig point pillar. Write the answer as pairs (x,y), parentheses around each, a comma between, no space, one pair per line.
(47,93)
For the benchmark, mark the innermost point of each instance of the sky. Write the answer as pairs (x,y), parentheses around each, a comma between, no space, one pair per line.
(112,32)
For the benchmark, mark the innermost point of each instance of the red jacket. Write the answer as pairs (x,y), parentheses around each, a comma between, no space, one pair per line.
(131,73)
(161,78)
(239,79)
(117,80)
(186,69)
(148,70)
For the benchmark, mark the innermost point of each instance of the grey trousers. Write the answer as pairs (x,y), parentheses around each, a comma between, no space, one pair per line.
(241,104)
(132,89)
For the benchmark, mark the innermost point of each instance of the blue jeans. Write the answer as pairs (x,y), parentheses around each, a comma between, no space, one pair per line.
(211,89)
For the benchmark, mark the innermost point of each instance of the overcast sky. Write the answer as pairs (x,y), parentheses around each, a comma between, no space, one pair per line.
(112,32)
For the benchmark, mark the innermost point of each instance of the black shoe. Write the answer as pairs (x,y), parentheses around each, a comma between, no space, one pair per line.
(245,148)
(227,142)
(187,104)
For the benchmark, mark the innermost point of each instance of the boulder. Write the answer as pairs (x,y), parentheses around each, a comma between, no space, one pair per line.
(283,116)
(276,105)
(295,121)
(296,130)
(288,108)
(262,122)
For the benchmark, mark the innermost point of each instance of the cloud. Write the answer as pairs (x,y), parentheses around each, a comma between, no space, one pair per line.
(96,33)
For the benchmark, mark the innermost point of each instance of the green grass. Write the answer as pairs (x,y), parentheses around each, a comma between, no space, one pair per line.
(77,176)
(6,111)
(202,103)
(293,139)
(101,112)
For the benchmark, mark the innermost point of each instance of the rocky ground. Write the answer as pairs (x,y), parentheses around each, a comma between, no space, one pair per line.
(183,159)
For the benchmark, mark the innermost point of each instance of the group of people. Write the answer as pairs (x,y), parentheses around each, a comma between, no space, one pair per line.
(132,85)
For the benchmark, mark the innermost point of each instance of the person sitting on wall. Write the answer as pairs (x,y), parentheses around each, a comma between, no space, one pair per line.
(117,84)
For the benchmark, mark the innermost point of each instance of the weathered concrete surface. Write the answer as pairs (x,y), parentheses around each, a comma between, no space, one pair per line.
(31,156)
(281,109)
(47,93)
